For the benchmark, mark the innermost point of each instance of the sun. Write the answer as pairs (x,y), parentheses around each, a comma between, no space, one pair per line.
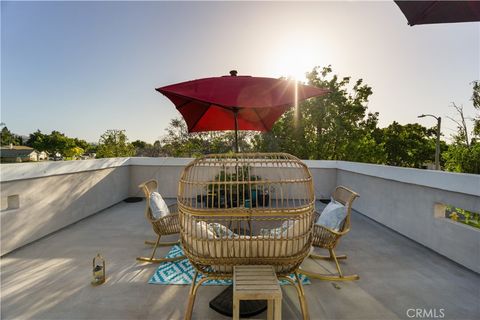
(294,61)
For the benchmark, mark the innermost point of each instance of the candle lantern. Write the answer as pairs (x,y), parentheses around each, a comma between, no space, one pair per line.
(98,270)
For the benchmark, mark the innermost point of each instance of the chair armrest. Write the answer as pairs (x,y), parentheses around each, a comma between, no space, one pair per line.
(168,224)
(337,233)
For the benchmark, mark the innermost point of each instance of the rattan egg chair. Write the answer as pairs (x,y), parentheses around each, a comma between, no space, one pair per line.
(246,209)
(162,226)
(325,238)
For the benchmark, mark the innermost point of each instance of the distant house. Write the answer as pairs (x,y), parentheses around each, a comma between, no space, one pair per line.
(21,154)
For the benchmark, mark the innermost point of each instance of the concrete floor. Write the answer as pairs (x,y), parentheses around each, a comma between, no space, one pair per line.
(50,278)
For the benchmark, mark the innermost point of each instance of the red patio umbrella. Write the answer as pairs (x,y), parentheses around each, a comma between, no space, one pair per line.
(425,12)
(236,102)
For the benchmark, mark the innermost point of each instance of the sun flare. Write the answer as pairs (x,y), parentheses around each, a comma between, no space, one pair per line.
(294,61)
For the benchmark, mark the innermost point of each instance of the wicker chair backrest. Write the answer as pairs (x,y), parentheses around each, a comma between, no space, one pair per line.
(346,197)
(148,187)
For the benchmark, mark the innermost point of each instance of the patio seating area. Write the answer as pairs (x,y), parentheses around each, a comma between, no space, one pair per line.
(50,278)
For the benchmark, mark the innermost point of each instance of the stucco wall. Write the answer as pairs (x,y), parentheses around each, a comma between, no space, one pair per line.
(49,203)
(55,194)
(408,208)
(167,171)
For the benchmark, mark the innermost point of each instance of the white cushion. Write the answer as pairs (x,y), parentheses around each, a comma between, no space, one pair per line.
(203,231)
(158,206)
(222,231)
(333,215)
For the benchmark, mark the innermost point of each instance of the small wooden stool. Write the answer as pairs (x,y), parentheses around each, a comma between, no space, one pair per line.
(257,283)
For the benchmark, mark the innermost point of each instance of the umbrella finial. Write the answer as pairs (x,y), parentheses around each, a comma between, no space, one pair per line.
(233,73)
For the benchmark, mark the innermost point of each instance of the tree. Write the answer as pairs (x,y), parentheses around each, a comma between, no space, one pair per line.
(114,143)
(461,137)
(139,144)
(74,152)
(460,158)
(81,143)
(335,126)
(144,149)
(58,142)
(410,145)
(476,105)
(7,137)
(38,141)
(53,143)
(463,155)
(179,143)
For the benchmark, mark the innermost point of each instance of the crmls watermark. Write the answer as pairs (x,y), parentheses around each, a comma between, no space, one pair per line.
(424,313)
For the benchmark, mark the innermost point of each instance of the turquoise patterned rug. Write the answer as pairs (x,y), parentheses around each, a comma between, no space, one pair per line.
(182,272)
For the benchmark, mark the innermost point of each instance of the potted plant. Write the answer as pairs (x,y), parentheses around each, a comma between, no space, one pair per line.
(246,192)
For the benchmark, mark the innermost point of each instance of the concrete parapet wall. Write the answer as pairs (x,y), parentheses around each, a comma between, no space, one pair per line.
(52,195)
(406,200)
(46,204)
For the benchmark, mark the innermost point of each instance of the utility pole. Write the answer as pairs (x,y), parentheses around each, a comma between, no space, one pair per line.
(437,147)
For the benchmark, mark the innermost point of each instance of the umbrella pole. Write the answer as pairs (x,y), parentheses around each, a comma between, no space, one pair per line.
(235,113)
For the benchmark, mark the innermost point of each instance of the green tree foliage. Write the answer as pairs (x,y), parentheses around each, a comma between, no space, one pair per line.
(144,149)
(73,152)
(335,126)
(38,141)
(114,143)
(410,145)
(7,137)
(179,143)
(476,105)
(463,155)
(460,158)
(57,142)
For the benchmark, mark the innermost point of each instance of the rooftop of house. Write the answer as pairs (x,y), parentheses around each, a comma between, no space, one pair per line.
(50,278)
(56,216)
(15,151)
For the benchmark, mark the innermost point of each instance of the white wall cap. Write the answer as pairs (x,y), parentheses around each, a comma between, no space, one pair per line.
(455,182)
(30,170)
(321,164)
(450,181)
(161,161)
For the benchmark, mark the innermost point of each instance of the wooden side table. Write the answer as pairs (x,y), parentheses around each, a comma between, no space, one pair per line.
(257,282)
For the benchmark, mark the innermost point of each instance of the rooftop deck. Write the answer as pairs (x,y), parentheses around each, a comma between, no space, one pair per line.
(50,278)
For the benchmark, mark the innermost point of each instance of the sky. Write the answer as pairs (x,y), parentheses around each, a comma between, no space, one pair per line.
(85,67)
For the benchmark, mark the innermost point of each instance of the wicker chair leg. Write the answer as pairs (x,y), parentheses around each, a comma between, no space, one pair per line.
(339,277)
(319,256)
(158,260)
(301,295)
(332,254)
(192,294)
(162,244)
(303,301)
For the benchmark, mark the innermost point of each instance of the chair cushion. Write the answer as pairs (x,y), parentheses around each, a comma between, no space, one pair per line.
(158,205)
(203,231)
(276,232)
(288,229)
(222,231)
(333,215)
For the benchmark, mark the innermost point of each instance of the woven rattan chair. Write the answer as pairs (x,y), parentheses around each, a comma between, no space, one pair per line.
(326,238)
(246,209)
(163,226)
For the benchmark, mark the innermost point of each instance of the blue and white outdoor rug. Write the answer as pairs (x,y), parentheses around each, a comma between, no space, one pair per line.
(182,272)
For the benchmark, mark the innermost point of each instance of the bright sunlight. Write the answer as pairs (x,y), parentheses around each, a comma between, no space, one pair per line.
(293,61)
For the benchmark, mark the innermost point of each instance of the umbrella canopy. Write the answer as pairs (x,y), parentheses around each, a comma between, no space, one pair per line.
(236,102)
(425,12)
